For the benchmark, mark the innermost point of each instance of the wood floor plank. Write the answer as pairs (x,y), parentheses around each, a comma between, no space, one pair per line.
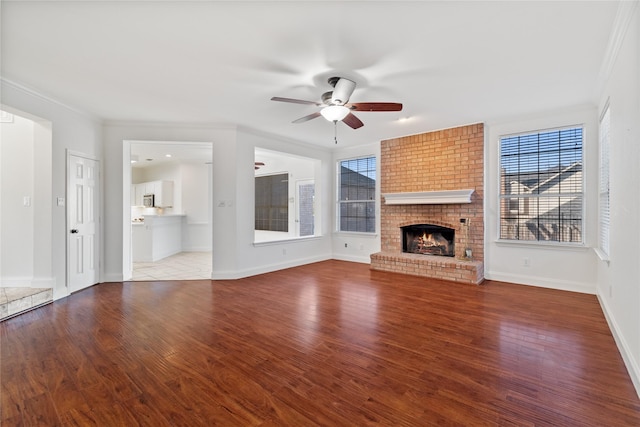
(331,343)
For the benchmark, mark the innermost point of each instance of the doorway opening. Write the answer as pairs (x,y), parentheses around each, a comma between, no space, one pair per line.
(26,217)
(168,214)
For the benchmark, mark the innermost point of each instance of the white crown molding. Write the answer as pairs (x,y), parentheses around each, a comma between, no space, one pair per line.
(626,10)
(34,93)
(180,125)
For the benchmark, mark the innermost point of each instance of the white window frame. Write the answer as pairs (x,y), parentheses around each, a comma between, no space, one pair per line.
(604,143)
(502,197)
(340,202)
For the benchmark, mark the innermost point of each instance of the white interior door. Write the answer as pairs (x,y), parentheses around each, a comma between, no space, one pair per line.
(82,209)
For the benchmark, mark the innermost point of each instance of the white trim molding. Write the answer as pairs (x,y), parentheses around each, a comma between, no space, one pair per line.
(618,32)
(445,197)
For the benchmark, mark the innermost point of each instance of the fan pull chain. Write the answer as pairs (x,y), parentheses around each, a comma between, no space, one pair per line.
(335,131)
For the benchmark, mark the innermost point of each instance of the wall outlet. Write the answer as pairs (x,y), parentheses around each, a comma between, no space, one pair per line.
(526,262)
(284,252)
(346,244)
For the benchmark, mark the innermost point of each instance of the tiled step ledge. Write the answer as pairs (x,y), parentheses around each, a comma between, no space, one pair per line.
(437,267)
(14,301)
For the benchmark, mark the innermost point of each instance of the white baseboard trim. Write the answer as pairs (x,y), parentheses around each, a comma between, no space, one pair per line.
(239,274)
(16,282)
(43,282)
(541,282)
(113,277)
(353,258)
(60,293)
(623,347)
(28,282)
(197,249)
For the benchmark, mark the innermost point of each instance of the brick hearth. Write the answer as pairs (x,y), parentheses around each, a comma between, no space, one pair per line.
(450,159)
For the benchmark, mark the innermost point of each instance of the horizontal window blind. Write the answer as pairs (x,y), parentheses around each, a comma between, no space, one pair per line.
(357,189)
(541,186)
(603,199)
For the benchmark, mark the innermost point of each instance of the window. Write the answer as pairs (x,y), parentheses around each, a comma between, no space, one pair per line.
(603,199)
(541,186)
(272,202)
(357,193)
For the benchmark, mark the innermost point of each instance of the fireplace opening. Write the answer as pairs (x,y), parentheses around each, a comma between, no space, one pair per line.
(428,239)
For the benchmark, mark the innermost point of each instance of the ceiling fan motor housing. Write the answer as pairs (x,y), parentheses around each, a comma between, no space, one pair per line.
(342,90)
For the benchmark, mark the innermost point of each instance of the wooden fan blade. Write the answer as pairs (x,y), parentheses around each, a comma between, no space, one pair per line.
(294,101)
(307,118)
(258,163)
(375,106)
(352,121)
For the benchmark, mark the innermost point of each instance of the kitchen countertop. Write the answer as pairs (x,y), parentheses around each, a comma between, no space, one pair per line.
(155,216)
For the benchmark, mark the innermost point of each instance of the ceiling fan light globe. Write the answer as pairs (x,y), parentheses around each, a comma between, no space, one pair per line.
(334,113)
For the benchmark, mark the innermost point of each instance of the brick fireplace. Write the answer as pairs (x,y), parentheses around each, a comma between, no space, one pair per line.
(433,181)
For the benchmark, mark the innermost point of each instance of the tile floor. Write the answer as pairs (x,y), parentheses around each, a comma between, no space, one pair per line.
(182,266)
(17,300)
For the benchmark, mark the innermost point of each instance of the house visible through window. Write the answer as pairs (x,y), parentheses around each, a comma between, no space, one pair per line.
(272,202)
(356,195)
(541,186)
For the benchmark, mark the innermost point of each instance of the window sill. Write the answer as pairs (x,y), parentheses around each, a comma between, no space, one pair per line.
(543,245)
(285,240)
(603,256)
(355,234)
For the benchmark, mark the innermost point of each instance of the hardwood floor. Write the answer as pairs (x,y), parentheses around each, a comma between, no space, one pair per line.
(330,343)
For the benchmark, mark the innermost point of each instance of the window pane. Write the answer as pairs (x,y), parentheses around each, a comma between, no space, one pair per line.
(272,202)
(357,187)
(541,190)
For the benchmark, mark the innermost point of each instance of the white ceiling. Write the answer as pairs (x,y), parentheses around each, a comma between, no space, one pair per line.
(450,63)
(154,153)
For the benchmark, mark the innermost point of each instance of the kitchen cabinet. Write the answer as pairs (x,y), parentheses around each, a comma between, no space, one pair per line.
(159,236)
(137,191)
(162,191)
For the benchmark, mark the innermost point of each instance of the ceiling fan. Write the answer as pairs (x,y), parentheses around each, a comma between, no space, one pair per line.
(336,105)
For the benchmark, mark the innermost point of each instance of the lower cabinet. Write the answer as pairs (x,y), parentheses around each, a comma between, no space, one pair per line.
(158,237)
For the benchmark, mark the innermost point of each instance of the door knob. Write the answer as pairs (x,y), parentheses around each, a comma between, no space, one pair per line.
(74,230)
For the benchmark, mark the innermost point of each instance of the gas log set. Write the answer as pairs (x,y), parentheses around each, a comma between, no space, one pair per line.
(428,239)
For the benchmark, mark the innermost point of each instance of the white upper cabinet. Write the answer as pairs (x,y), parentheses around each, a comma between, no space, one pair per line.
(162,191)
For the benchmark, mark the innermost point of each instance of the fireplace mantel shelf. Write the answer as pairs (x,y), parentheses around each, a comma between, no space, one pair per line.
(446,197)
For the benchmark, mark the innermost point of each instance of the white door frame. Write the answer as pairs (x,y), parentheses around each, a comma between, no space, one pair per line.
(98,198)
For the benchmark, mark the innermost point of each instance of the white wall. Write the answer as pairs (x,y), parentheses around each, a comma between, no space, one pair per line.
(197,206)
(259,258)
(618,282)
(118,235)
(17,147)
(359,246)
(69,130)
(550,265)
(234,254)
